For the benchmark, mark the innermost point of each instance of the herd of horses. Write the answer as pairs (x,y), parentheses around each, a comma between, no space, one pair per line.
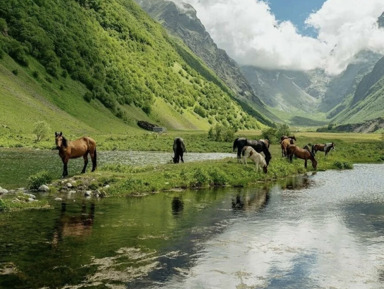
(256,150)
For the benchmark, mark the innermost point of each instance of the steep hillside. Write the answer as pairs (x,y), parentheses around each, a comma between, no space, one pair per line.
(98,65)
(344,84)
(181,21)
(367,101)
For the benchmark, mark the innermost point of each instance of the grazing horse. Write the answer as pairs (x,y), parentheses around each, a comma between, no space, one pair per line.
(301,153)
(284,145)
(258,159)
(178,150)
(285,137)
(75,149)
(259,147)
(326,148)
(266,141)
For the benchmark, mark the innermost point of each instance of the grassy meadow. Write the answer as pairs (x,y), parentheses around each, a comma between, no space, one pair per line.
(123,180)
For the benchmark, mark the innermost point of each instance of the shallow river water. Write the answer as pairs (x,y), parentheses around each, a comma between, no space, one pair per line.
(319,231)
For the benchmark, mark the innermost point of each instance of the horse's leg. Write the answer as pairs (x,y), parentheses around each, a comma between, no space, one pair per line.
(181,157)
(305,163)
(85,157)
(65,168)
(94,160)
(239,149)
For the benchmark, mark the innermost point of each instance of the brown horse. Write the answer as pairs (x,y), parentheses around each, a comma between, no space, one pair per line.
(284,145)
(301,153)
(285,137)
(326,148)
(75,149)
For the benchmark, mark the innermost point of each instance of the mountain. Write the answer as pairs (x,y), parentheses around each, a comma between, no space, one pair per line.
(288,91)
(366,102)
(181,21)
(345,84)
(95,65)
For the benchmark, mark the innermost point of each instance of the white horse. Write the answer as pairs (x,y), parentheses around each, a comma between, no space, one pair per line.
(257,158)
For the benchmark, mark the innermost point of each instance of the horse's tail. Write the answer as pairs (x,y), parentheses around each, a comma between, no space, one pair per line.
(235,144)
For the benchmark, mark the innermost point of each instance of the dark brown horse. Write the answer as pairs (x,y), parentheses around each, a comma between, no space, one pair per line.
(301,153)
(75,149)
(326,148)
(178,150)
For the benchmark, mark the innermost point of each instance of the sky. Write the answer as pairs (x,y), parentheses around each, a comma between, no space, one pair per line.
(293,34)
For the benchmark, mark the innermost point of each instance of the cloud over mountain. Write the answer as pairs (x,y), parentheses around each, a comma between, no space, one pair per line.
(252,35)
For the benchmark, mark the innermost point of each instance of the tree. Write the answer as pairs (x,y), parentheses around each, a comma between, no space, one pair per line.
(41,130)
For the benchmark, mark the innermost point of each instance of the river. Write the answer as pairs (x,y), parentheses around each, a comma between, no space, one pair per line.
(324,230)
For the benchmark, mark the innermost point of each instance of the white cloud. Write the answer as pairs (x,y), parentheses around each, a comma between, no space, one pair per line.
(251,34)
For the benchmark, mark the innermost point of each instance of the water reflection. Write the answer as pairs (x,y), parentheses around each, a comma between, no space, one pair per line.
(177,206)
(78,225)
(319,231)
(250,200)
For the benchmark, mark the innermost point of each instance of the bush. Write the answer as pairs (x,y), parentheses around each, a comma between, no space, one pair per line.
(221,133)
(274,134)
(41,130)
(200,177)
(41,178)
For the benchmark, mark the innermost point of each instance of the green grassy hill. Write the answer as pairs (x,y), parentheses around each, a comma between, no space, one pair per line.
(91,66)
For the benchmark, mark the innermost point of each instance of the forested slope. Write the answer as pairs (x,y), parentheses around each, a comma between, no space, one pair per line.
(110,58)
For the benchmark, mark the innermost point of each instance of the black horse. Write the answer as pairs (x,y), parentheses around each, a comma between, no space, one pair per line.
(258,145)
(178,150)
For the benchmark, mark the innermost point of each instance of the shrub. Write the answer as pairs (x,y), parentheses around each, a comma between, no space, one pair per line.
(221,133)
(200,177)
(41,178)
(41,130)
(274,134)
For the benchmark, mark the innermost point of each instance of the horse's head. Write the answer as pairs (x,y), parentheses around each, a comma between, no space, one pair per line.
(265,169)
(60,140)
(176,160)
(314,164)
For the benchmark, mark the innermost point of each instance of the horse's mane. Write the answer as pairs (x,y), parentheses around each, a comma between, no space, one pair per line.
(306,147)
(235,143)
(65,142)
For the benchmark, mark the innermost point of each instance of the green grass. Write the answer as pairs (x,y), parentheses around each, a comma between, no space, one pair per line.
(126,180)
(228,172)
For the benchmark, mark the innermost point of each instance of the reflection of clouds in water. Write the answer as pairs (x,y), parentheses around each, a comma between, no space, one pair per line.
(286,253)
(303,239)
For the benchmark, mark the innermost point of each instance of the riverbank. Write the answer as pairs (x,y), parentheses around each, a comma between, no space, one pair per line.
(117,180)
